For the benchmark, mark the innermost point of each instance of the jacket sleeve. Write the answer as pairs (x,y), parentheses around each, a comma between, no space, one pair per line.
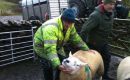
(50,43)
(91,23)
(76,40)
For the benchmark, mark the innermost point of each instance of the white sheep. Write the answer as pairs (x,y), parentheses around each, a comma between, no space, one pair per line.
(84,65)
(123,71)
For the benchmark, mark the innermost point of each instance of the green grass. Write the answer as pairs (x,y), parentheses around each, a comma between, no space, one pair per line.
(127,3)
(6,5)
(8,8)
(129,15)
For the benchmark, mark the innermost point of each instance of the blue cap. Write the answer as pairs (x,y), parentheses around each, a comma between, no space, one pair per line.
(69,15)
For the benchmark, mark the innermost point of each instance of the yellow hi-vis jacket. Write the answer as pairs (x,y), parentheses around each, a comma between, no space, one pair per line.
(49,40)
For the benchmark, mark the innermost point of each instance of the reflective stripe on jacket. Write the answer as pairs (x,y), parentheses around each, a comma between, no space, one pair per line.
(49,40)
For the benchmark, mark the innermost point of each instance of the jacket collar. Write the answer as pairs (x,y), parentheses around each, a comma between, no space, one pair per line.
(101,8)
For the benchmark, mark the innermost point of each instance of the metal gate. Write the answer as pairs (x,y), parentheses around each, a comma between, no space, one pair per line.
(57,6)
(16,46)
(38,8)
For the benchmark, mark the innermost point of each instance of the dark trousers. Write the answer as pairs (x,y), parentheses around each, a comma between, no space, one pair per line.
(103,49)
(48,72)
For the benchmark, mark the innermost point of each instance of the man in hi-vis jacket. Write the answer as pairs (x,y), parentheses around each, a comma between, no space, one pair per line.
(50,38)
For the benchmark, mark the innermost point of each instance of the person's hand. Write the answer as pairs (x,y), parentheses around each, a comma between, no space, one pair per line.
(64,69)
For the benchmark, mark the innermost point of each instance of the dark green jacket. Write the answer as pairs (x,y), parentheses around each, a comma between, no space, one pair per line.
(98,27)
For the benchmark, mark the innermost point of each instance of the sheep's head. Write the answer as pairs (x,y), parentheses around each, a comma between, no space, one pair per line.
(73,63)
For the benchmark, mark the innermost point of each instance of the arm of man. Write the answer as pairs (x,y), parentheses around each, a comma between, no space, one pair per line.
(76,40)
(50,43)
(91,23)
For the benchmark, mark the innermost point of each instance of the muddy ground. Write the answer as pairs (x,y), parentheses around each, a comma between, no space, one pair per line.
(31,70)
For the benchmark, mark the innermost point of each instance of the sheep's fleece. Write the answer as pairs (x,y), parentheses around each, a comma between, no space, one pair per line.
(77,63)
(123,71)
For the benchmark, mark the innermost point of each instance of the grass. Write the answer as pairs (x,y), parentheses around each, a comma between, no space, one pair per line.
(7,8)
(129,15)
(6,5)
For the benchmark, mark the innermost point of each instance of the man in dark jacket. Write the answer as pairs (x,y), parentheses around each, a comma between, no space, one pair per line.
(96,30)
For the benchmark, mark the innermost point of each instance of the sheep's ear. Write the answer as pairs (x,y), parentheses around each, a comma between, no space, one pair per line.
(70,54)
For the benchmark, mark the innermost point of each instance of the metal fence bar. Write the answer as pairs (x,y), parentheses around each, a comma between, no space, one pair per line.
(33,32)
(117,47)
(6,55)
(11,42)
(22,47)
(16,61)
(5,46)
(17,47)
(23,51)
(21,37)
(15,31)
(17,52)
(16,44)
(6,59)
(5,39)
(22,55)
(22,42)
(5,50)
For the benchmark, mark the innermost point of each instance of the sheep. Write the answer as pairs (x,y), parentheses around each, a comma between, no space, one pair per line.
(123,71)
(79,62)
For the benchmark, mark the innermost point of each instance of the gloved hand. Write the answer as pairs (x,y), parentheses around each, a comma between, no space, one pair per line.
(64,69)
